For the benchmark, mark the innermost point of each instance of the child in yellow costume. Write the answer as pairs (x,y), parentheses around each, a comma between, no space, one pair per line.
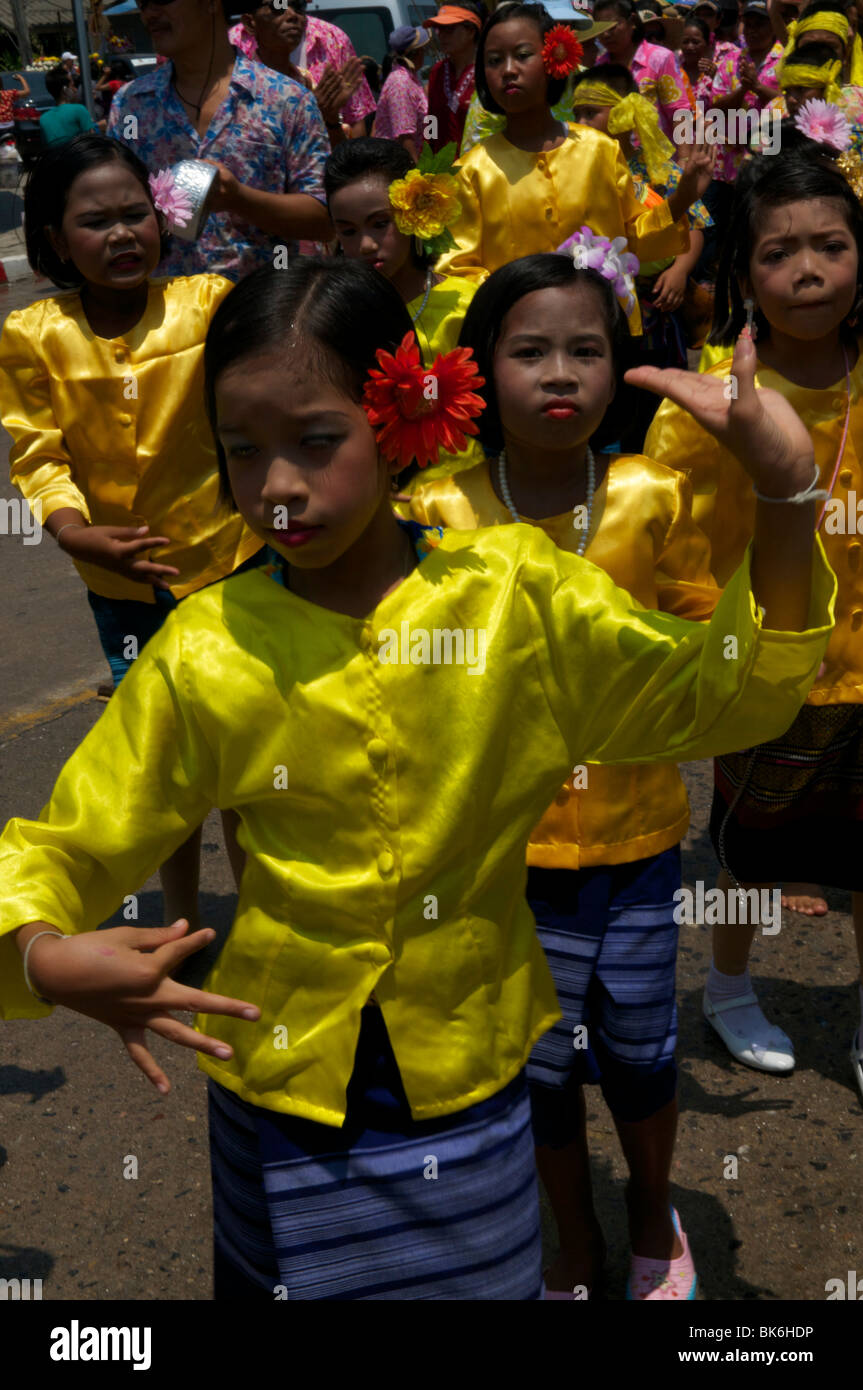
(362,178)
(388,720)
(604,862)
(532,186)
(789,812)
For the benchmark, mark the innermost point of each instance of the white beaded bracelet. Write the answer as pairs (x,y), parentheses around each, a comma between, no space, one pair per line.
(40,997)
(66,524)
(812,493)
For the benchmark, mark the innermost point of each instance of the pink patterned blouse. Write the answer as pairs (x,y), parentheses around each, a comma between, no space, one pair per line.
(402,107)
(657,72)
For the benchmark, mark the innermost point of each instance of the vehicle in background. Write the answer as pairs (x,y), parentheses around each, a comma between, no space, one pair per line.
(369,23)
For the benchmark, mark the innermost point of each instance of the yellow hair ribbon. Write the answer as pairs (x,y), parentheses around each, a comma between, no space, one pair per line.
(804,74)
(595,94)
(856,75)
(636,112)
(826,21)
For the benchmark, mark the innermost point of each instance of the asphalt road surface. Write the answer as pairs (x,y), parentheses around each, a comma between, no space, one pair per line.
(73,1109)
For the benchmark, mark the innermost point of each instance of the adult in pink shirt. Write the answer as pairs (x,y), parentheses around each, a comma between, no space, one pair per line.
(655,69)
(312,45)
(402,104)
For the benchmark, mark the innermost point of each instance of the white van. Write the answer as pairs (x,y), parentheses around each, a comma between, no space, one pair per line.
(368,23)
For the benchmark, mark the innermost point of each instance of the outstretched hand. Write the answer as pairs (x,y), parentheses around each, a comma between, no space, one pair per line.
(121,977)
(757,425)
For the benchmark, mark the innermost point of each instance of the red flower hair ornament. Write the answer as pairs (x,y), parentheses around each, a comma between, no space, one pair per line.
(415,410)
(561,52)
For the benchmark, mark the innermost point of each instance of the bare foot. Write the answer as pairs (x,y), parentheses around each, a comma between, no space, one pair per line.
(578,1268)
(805,898)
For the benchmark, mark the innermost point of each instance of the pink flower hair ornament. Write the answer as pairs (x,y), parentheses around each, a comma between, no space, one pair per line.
(824,123)
(169,199)
(611,258)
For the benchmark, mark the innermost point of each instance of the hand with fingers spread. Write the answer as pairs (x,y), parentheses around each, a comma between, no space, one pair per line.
(121,977)
(762,429)
(759,426)
(121,549)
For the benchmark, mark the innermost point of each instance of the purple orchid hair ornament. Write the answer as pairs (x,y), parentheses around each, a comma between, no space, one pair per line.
(611,258)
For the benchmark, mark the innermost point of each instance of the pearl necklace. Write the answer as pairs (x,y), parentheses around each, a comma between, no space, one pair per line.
(419,311)
(591,487)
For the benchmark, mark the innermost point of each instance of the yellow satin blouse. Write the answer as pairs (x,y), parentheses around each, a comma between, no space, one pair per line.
(437,329)
(643,536)
(117,428)
(385,799)
(514,203)
(723,505)
(438,326)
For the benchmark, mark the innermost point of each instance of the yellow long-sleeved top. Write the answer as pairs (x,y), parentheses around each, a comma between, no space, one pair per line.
(438,325)
(116,427)
(437,328)
(385,803)
(723,505)
(643,536)
(514,203)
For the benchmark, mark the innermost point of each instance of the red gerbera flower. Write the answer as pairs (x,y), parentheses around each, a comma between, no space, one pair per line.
(416,411)
(561,51)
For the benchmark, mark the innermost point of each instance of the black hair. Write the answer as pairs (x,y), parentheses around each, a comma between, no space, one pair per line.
(624,10)
(357,159)
(47,189)
(56,82)
(825,7)
(817,54)
(538,15)
(335,314)
(693,21)
(493,301)
(802,170)
(372,70)
(615,75)
(121,67)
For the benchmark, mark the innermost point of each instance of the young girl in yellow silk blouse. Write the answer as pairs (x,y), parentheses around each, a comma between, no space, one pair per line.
(604,861)
(533,185)
(101,391)
(790,811)
(388,731)
(357,179)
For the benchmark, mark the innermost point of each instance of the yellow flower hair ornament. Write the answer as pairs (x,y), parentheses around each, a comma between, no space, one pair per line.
(426,200)
(635,112)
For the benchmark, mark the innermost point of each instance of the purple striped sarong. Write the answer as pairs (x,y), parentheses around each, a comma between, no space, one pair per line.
(385,1207)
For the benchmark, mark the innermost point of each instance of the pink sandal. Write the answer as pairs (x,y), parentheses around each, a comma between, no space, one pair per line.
(665,1280)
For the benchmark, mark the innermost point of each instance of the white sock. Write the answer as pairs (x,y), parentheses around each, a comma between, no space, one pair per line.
(747,1022)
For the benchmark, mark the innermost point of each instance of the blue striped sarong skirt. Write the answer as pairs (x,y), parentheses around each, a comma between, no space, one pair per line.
(610,939)
(385,1207)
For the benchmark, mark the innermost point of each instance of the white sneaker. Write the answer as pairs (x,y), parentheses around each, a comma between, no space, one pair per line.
(777,1055)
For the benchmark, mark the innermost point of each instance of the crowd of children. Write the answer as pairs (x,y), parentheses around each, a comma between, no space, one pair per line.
(445,526)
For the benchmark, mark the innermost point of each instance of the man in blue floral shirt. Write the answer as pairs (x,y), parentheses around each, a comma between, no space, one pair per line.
(264,132)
